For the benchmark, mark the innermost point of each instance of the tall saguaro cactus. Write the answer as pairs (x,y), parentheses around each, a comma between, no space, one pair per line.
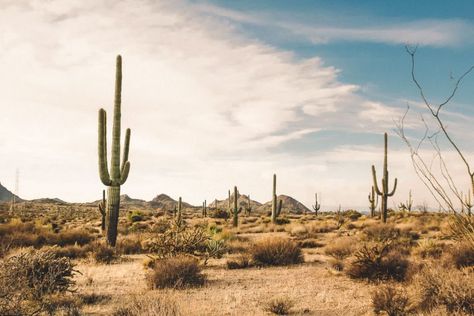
(276,209)
(204,208)
(235,210)
(179,215)
(374,201)
(316,206)
(384,193)
(119,166)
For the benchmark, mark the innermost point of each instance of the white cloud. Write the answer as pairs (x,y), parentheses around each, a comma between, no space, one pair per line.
(425,32)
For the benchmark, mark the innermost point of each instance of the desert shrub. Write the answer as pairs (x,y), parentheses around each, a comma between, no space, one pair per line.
(148,305)
(71,251)
(282,221)
(179,239)
(309,243)
(242,261)
(323,227)
(72,237)
(128,246)
(353,215)
(341,248)
(461,255)
(93,298)
(449,288)
(429,248)
(299,231)
(279,306)
(135,216)
(276,252)
(336,264)
(176,272)
(220,213)
(391,300)
(462,228)
(30,280)
(378,262)
(104,254)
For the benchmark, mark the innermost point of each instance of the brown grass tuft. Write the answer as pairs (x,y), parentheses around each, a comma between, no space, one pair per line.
(176,272)
(276,252)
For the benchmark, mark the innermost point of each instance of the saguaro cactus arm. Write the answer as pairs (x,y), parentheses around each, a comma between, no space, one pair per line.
(103,165)
(394,188)
(374,176)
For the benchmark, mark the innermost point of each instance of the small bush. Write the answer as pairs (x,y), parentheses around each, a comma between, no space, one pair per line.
(176,272)
(129,246)
(276,252)
(341,248)
(30,280)
(336,264)
(461,255)
(449,288)
(392,301)
(279,306)
(135,216)
(240,262)
(310,243)
(149,305)
(429,248)
(378,262)
(220,213)
(104,254)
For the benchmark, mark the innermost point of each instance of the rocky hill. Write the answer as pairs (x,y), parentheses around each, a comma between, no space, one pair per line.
(163,201)
(290,205)
(6,195)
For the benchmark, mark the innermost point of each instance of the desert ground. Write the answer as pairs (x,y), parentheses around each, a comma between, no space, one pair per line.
(332,263)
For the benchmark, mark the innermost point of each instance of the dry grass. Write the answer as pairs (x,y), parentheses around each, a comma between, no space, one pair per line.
(276,252)
(279,306)
(341,248)
(175,272)
(391,300)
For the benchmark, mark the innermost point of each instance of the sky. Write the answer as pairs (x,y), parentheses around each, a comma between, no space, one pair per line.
(223,93)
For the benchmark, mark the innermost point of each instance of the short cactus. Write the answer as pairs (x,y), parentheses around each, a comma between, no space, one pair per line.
(276,209)
(384,193)
(248,207)
(118,171)
(374,201)
(316,206)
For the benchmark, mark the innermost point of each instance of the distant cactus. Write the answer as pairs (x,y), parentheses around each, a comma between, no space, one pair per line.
(374,201)
(102,210)
(236,209)
(316,206)
(248,207)
(118,172)
(384,193)
(276,209)
(204,208)
(179,215)
(407,206)
(229,207)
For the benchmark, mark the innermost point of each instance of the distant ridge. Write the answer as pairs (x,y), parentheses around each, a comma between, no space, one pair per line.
(164,201)
(289,205)
(6,195)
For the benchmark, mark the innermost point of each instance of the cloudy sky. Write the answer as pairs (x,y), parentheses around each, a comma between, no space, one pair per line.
(223,93)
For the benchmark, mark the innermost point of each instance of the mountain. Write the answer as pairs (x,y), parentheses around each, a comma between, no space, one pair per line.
(6,196)
(163,201)
(49,201)
(289,205)
(241,201)
(125,199)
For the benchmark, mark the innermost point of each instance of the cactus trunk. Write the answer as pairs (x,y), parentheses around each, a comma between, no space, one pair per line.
(276,206)
(113,206)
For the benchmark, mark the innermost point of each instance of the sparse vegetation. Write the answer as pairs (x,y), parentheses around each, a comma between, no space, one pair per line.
(276,252)
(175,272)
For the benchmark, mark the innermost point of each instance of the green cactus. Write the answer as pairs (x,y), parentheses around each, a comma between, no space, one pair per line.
(316,206)
(229,207)
(236,209)
(374,201)
(204,208)
(276,209)
(179,215)
(118,171)
(102,210)
(384,193)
